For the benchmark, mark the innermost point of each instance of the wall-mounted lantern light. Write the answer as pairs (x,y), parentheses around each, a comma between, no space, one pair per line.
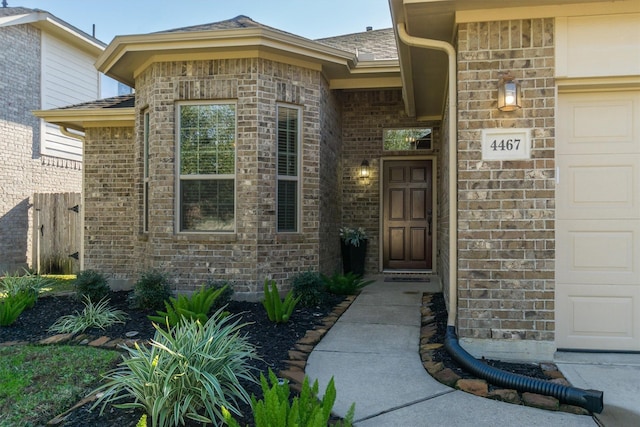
(509,94)
(364,169)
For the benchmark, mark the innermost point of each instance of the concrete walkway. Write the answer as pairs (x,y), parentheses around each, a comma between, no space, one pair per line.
(617,375)
(372,353)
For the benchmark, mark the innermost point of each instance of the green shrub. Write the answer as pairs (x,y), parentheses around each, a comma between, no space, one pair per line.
(12,306)
(91,284)
(188,372)
(225,297)
(277,409)
(278,311)
(308,287)
(345,284)
(151,290)
(194,307)
(98,315)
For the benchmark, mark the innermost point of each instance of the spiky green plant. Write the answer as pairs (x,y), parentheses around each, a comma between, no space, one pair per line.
(98,315)
(225,297)
(194,307)
(187,372)
(277,409)
(12,306)
(278,311)
(345,284)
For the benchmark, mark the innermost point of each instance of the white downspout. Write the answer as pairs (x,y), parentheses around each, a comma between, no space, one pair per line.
(453,160)
(65,132)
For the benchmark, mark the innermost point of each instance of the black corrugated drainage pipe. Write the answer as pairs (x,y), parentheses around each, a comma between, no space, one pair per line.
(591,400)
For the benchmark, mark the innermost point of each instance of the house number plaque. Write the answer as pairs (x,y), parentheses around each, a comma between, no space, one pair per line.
(506,144)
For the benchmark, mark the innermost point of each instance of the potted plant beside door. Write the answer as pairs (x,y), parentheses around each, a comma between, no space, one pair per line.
(354,248)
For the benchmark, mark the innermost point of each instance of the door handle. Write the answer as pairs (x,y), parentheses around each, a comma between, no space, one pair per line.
(429,219)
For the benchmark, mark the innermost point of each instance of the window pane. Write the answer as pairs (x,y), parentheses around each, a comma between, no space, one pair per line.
(407,139)
(145,155)
(287,205)
(207,205)
(207,139)
(146,206)
(146,144)
(287,141)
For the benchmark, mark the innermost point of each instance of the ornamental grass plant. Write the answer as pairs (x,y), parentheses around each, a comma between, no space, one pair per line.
(15,284)
(189,371)
(98,315)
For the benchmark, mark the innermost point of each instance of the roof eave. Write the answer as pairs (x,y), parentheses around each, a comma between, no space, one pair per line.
(59,28)
(138,48)
(81,119)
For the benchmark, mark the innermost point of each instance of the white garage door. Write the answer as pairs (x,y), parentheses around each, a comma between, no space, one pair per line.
(598,221)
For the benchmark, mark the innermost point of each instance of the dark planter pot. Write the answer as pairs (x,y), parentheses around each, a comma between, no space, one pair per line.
(353,257)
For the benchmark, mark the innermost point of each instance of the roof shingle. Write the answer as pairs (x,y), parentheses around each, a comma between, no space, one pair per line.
(12,11)
(380,44)
(240,21)
(122,101)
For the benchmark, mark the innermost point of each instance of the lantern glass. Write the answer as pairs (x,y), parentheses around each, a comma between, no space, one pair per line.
(509,94)
(364,169)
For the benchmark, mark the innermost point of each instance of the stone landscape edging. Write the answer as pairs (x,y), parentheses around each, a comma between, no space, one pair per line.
(480,387)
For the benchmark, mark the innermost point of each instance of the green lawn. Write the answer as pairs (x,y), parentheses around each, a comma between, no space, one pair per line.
(39,382)
(59,283)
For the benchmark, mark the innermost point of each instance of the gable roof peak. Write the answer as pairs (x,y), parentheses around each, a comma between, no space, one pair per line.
(240,21)
(12,11)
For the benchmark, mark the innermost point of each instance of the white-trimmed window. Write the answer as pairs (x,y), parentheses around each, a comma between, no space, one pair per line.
(288,170)
(145,179)
(206,166)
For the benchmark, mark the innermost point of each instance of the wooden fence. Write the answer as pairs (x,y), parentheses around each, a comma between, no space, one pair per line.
(57,228)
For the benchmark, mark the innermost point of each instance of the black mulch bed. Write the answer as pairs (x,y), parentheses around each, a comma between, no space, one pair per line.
(273,341)
(439,311)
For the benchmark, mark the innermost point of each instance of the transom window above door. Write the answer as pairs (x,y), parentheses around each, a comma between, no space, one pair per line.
(206,167)
(407,139)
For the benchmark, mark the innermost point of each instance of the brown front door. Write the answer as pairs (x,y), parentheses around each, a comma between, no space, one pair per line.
(408,213)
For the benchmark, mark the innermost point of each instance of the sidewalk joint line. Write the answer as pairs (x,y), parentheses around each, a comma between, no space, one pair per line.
(406,405)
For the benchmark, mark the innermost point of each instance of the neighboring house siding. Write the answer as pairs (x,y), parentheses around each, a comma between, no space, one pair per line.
(22,170)
(506,245)
(255,251)
(68,77)
(365,115)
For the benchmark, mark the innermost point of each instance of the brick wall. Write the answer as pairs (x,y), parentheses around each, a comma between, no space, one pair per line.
(339,131)
(365,115)
(23,170)
(506,208)
(255,251)
(109,207)
(330,182)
